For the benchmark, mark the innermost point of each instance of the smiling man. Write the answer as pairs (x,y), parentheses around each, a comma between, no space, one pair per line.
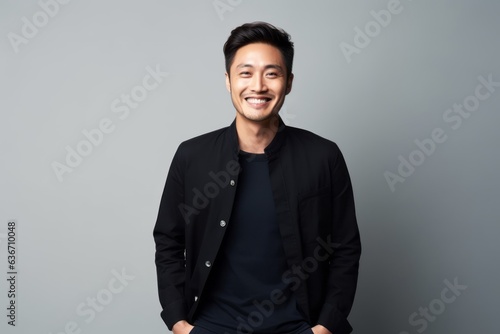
(256,231)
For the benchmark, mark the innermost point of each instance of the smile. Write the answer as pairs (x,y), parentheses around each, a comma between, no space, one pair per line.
(253,100)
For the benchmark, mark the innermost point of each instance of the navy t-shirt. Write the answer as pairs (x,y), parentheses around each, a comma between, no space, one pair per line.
(243,291)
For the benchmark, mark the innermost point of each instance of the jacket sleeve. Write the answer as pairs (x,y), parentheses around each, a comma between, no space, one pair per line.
(344,262)
(169,237)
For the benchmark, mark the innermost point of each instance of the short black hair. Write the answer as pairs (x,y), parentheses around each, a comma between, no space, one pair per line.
(259,32)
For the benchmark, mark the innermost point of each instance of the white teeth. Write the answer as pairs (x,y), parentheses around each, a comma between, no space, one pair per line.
(256,101)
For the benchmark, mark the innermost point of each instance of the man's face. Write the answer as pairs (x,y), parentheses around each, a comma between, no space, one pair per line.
(258,82)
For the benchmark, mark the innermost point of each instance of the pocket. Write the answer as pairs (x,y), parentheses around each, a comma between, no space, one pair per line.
(317,202)
(315,214)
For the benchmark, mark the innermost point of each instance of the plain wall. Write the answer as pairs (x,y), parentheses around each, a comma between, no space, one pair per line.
(376,88)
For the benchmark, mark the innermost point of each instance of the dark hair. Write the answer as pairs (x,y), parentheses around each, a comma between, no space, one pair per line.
(259,32)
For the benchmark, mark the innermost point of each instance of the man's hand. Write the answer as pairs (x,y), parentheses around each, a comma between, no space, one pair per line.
(318,329)
(182,327)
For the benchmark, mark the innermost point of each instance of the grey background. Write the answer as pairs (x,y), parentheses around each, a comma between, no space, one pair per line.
(441,224)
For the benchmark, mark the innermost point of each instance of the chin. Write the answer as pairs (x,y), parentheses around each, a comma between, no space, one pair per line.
(258,116)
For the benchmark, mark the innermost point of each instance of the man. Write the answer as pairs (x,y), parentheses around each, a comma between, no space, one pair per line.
(256,231)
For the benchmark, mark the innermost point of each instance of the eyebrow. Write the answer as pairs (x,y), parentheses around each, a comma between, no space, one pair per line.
(275,66)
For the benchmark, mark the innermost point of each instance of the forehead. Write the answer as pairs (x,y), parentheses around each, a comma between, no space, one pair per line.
(258,55)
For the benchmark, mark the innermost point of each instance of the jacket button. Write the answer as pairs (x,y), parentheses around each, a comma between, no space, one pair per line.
(222,223)
(195,298)
(208,264)
(232,183)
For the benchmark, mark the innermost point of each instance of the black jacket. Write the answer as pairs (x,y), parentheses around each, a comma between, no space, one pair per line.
(316,217)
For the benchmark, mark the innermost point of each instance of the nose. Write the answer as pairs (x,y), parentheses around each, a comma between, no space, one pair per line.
(258,84)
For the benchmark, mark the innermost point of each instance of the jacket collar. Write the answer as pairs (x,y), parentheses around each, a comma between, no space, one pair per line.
(271,150)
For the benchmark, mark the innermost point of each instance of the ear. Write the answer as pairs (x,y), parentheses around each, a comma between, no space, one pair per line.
(228,83)
(289,84)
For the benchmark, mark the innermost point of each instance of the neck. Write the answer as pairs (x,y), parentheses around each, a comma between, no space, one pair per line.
(254,137)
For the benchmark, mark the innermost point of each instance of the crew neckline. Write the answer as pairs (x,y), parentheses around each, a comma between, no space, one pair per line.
(253,157)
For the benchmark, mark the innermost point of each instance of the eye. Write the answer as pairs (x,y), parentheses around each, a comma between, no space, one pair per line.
(245,74)
(272,74)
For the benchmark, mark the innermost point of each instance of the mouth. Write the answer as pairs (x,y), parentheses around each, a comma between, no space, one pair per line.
(258,101)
